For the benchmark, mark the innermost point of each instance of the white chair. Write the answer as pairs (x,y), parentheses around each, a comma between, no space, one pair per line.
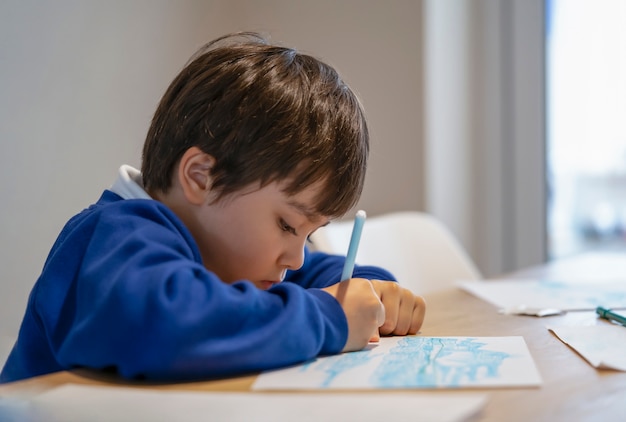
(417,248)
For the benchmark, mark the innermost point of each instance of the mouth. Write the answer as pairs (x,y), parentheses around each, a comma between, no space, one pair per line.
(266,284)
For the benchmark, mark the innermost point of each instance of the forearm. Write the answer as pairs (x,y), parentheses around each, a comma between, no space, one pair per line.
(323,270)
(206,329)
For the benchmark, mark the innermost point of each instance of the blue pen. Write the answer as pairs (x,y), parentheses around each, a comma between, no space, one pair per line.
(611,316)
(348,267)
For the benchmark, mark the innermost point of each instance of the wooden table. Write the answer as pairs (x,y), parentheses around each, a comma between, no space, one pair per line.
(572,390)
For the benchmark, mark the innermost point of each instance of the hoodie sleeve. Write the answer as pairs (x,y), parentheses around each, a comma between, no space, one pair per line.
(141,303)
(322,270)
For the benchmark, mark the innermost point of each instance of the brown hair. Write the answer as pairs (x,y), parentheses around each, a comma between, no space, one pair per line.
(265,113)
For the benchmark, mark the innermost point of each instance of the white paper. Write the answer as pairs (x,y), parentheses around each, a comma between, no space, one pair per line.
(509,294)
(527,310)
(415,362)
(74,403)
(601,345)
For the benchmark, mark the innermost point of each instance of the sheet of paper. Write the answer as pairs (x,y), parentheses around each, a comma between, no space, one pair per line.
(548,294)
(601,345)
(74,403)
(415,362)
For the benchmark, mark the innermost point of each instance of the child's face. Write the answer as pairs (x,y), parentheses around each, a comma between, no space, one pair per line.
(257,234)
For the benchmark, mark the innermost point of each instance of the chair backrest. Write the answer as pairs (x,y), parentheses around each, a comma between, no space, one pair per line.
(417,248)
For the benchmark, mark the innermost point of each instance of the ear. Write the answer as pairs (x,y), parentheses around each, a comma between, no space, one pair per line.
(194,175)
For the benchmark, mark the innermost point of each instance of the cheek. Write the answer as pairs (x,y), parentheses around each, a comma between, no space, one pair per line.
(255,242)
(254,256)
(250,232)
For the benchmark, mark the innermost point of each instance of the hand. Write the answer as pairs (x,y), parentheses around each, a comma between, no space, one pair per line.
(404,311)
(363,309)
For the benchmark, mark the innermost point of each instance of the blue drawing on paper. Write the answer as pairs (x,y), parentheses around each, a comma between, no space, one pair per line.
(434,362)
(337,365)
(419,362)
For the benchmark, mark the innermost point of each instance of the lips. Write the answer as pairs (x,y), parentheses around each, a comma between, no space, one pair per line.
(266,284)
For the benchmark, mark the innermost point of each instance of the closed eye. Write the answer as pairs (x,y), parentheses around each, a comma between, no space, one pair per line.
(286,227)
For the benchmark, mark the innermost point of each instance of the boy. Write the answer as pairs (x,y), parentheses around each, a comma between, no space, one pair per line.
(177,272)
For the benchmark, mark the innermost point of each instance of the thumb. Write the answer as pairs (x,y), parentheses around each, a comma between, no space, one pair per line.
(381,314)
(379,322)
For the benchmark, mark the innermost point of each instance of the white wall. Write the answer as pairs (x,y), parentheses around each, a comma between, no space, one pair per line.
(79,81)
(376,46)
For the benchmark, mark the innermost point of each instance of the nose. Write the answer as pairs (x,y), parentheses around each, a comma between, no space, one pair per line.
(293,257)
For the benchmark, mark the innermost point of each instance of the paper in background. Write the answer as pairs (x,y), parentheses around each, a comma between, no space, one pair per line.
(563,296)
(601,345)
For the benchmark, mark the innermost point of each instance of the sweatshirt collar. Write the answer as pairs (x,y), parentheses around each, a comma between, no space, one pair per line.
(129,184)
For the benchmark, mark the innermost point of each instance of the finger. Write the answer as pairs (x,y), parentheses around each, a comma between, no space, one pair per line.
(380,316)
(405,314)
(375,337)
(419,311)
(390,295)
(342,289)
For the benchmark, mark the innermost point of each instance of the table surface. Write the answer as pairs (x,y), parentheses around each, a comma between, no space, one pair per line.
(571,390)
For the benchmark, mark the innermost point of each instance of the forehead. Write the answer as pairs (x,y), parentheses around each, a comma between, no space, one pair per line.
(304,209)
(305,201)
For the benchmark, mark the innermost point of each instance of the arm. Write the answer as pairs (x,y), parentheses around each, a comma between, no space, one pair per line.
(404,311)
(322,270)
(142,302)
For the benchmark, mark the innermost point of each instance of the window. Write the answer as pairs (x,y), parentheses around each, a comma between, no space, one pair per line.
(586,125)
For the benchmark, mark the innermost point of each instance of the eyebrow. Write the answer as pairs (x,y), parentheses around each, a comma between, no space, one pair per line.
(309,213)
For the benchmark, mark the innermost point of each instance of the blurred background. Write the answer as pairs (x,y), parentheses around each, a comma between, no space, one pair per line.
(503,118)
(586,136)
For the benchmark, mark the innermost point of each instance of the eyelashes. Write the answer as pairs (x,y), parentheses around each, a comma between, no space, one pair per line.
(286,227)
